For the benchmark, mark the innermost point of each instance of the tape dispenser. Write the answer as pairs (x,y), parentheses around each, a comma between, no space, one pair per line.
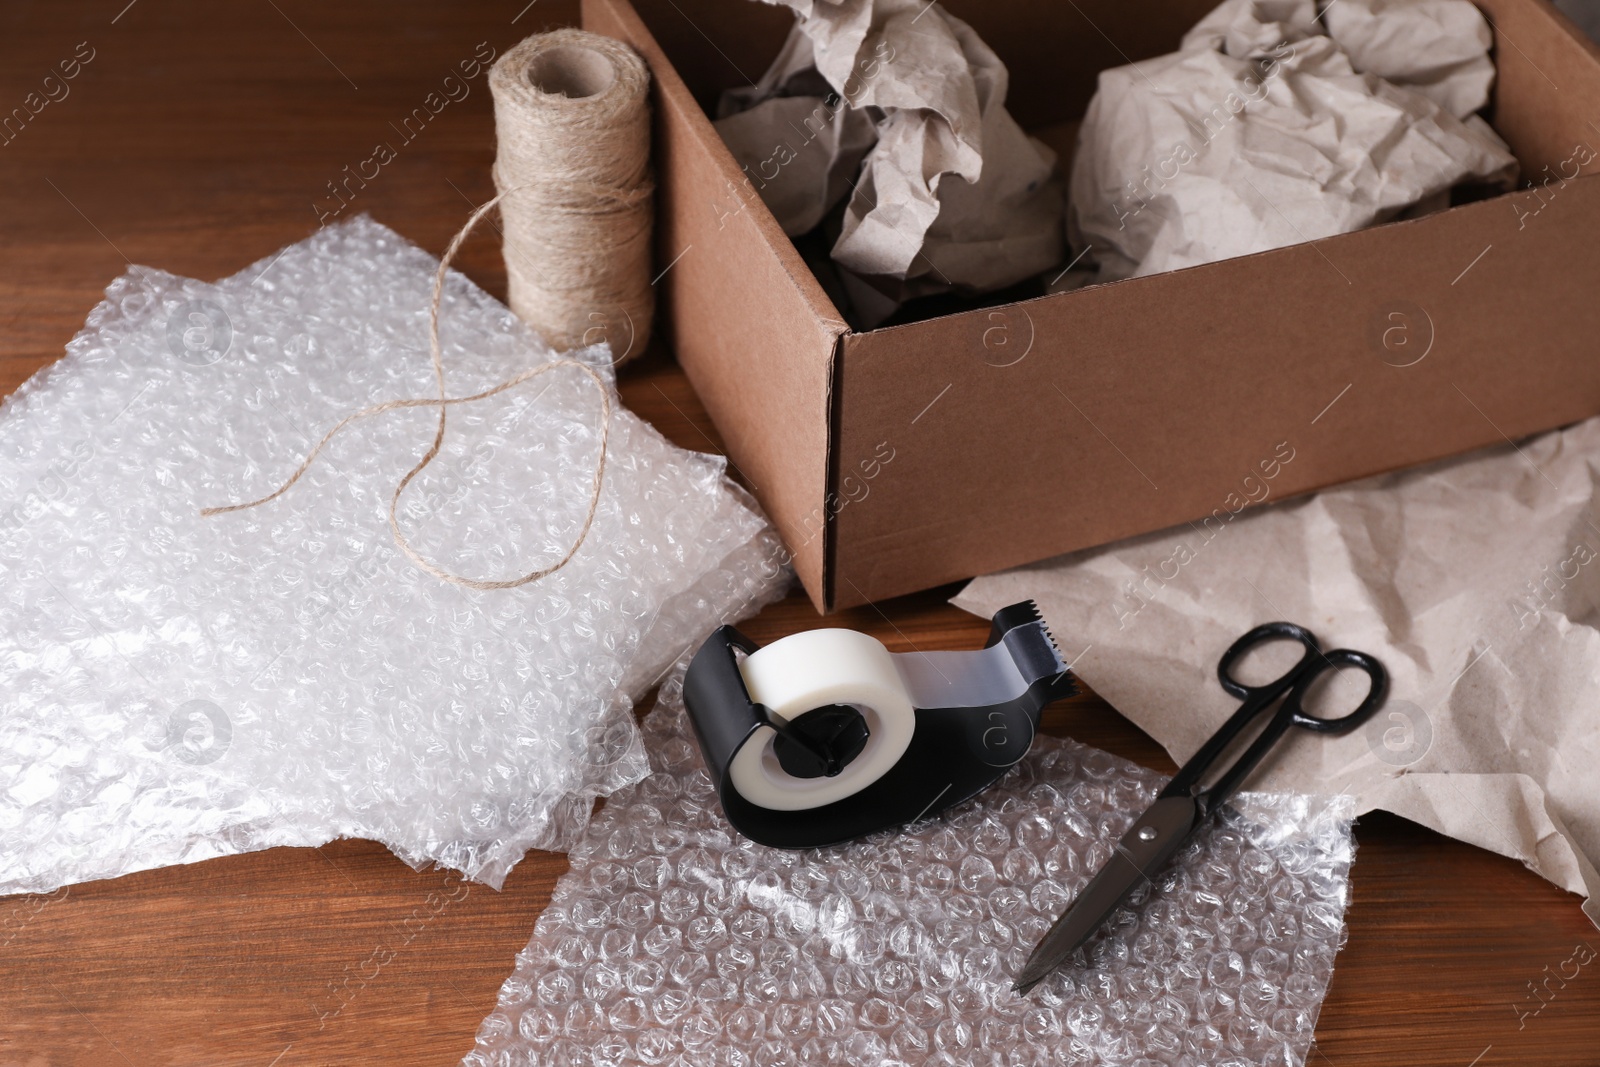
(825,736)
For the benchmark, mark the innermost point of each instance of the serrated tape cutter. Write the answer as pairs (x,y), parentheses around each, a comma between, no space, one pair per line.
(825,736)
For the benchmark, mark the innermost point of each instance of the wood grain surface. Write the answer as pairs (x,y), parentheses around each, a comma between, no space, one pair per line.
(200,137)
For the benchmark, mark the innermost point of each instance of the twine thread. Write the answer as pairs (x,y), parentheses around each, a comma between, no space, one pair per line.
(443,403)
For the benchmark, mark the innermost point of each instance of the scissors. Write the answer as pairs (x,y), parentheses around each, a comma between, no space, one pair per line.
(1185,805)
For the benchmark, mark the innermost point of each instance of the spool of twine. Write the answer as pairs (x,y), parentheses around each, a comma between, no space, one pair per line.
(572,118)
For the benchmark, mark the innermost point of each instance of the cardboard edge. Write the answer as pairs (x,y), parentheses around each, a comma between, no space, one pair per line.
(815,325)
(1556,15)
(828,602)
(1567,64)
(662,69)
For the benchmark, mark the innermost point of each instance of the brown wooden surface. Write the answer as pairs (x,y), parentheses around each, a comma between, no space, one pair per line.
(197,140)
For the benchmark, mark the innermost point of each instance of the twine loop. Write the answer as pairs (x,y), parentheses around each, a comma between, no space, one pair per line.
(443,403)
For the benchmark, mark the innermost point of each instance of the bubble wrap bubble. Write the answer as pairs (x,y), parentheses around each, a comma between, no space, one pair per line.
(178,687)
(674,941)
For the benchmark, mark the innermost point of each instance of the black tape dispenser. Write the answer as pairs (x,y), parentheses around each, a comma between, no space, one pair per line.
(826,735)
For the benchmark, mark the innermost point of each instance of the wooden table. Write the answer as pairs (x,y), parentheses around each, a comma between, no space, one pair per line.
(200,137)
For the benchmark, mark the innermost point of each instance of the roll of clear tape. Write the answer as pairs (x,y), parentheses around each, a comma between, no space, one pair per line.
(810,670)
(928,729)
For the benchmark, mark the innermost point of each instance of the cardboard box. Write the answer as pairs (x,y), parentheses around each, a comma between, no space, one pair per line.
(902,458)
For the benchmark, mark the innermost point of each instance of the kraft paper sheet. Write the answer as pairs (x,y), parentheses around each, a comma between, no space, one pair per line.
(1476,581)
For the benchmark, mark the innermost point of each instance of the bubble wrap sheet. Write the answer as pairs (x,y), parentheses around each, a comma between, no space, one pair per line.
(178,687)
(673,941)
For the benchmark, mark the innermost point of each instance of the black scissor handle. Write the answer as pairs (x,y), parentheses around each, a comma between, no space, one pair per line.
(1266,632)
(1289,688)
(1298,679)
(1377,677)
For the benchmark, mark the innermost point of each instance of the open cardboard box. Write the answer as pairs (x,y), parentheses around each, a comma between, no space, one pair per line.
(901,458)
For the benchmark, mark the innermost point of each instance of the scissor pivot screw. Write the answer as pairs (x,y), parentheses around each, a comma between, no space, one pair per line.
(1147,833)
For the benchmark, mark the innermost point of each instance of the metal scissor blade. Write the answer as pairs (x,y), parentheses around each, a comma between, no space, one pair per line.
(1092,907)
(1141,854)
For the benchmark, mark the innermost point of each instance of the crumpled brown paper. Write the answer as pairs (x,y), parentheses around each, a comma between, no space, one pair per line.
(797,140)
(951,194)
(1439,48)
(1475,581)
(1246,28)
(1260,133)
